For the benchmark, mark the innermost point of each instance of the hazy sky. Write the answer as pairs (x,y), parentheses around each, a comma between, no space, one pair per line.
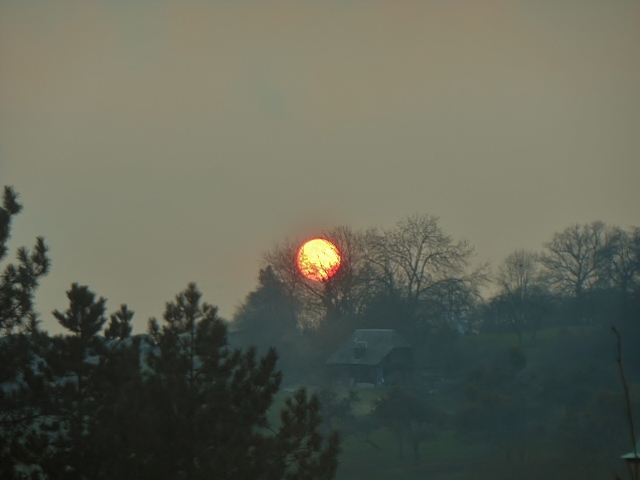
(155,143)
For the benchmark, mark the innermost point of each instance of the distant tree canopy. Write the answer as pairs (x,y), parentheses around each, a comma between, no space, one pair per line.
(418,280)
(521,299)
(408,414)
(623,268)
(268,315)
(577,258)
(592,266)
(340,297)
(411,277)
(425,273)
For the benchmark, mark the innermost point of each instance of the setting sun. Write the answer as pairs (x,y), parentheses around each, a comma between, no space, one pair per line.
(318,259)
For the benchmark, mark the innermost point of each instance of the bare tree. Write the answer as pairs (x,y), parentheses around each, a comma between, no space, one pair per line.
(577,261)
(422,268)
(282,262)
(521,295)
(415,272)
(624,267)
(519,272)
(577,257)
(339,297)
(344,295)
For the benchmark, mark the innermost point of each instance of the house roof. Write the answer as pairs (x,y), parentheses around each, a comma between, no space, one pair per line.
(368,347)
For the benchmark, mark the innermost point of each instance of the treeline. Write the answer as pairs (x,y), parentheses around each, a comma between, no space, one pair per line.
(418,280)
(586,275)
(527,403)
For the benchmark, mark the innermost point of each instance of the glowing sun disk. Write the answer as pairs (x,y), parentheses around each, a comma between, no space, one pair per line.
(318,259)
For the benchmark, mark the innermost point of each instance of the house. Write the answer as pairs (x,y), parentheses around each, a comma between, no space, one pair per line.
(376,356)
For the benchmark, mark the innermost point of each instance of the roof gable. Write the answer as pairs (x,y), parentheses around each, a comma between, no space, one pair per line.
(368,347)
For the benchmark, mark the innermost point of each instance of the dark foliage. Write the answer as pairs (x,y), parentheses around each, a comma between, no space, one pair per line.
(19,281)
(408,414)
(177,403)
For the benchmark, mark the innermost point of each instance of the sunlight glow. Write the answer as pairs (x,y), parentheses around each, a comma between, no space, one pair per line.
(318,259)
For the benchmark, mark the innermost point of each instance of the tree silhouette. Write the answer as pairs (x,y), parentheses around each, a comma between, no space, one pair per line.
(74,398)
(208,417)
(577,260)
(423,271)
(19,443)
(409,416)
(337,300)
(176,403)
(19,282)
(268,315)
(85,316)
(120,324)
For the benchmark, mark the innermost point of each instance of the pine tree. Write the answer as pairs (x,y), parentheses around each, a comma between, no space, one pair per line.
(18,282)
(118,400)
(178,403)
(85,315)
(268,310)
(74,360)
(120,324)
(268,318)
(20,341)
(206,415)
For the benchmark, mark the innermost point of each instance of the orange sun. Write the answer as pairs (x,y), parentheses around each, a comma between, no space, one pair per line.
(318,259)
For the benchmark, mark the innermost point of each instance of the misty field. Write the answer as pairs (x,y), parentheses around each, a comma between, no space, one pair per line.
(372,452)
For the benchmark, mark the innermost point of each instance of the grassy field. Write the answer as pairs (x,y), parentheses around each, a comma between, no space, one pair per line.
(445,457)
(448,455)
